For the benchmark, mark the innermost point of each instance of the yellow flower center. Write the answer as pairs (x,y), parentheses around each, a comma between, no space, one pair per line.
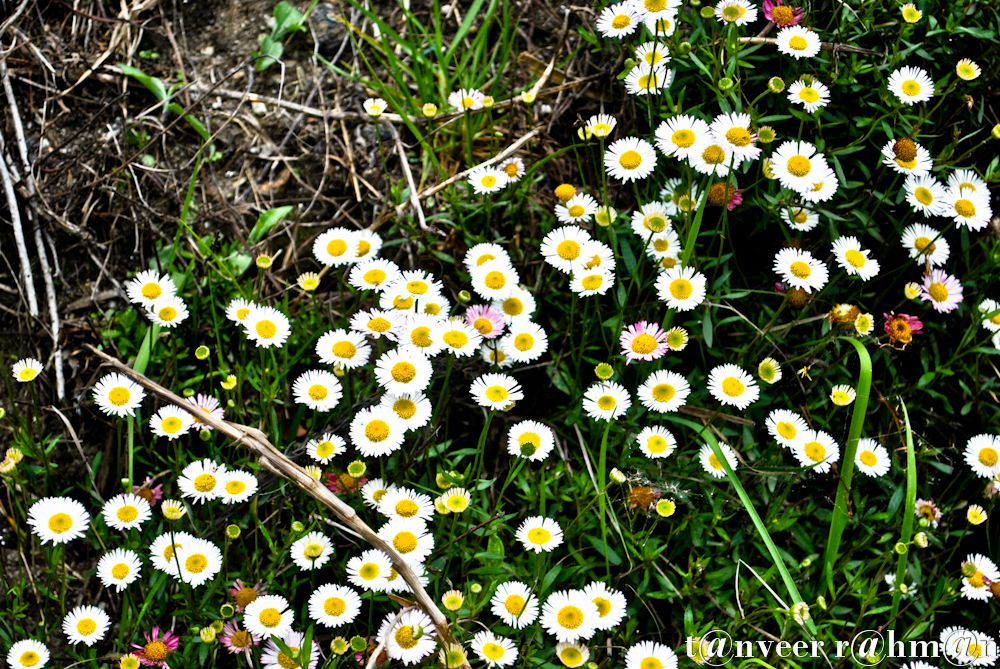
(800,216)
(644,344)
(269,617)
(592,282)
(661,245)
(455,338)
(405,542)
(510,169)
(86,627)
(681,289)
(682,138)
(782,15)
(988,456)
(495,280)
(568,249)
(404,637)
(938,292)
(798,43)
(910,87)
(786,430)
(732,386)
(513,306)
(483,325)
(369,571)
(663,392)
(488,181)
(457,503)
(417,287)
(374,276)
(799,165)
(155,651)
(405,408)
(570,617)
(539,535)
(403,372)
(570,656)
(377,430)
(800,270)
(606,403)
(713,460)
(151,291)
(336,247)
(924,197)
(235,487)
(965,208)
(171,424)
(407,508)
(514,605)
(524,341)
(334,606)
(196,563)
(286,662)
(127,514)
(923,244)
(576,211)
(868,459)
(714,155)
(344,349)
(494,651)
(656,444)
(119,396)
(29,658)
(815,451)
(120,571)
(27,374)
(651,662)
(630,160)
(266,329)
(363,248)
(496,393)
(809,94)
(738,136)
(976,580)
(402,302)
(530,437)
(855,258)
(621,21)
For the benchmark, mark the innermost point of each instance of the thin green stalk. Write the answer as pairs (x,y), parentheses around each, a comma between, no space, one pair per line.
(911,501)
(601,500)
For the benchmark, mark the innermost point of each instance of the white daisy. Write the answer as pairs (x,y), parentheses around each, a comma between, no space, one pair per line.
(572,654)
(237,487)
(982,453)
(969,208)
(373,492)
(340,347)
(797,164)
(27,654)
(682,288)
(925,244)
(272,657)
(710,157)
(162,551)
(539,533)
(373,274)
(369,244)
(369,570)
(123,512)
(601,125)
(495,651)
(592,282)
(530,439)
(86,624)
(732,131)
(269,615)
(800,269)
(118,568)
(484,252)
(496,391)
(731,385)
(822,185)
(817,450)
(458,337)
(871,458)
(267,327)
(334,605)
(811,96)
(653,53)
(630,159)
(664,391)
(656,442)
(377,323)
(406,504)
(974,587)
(711,463)
(578,209)
(739,12)
(911,85)
(171,422)
(494,279)
(595,255)
(239,309)
(787,427)
(422,334)
(514,168)
(852,258)
(569,615)
(661,24)
(525,341)
(485,179)
(311,551)
(325,447)
(520,303)
(199,561)
(201,480)
(610,604)
(799,218)
(409,537)
(987,307)
(402,372)
(514,603)
(117,395)
(58,519)
(377,431)
(168,311)
(494,354)
(677,136)
(648,654)
(26,370)
(925,194)
(798,42)
(413,410)
(646,79)
(149,286)
(336,246)
(966,178)
(606,401)
(619,20)
(907,157)
(411,638)
(563,246)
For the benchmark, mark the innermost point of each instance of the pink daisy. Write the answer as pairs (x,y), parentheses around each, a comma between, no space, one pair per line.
(736,199)
(643,341)
(941,289)
(149,492)
(782,15)
(236,640)
(157,648)
(485,319)
(243,594)
(343,484)
(926,508)
(902,327)
(209,405)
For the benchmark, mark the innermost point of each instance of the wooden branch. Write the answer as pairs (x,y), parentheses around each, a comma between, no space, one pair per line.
(278,463)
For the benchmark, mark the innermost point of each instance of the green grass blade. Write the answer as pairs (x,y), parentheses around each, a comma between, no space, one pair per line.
(911,502)
(839,520)
(786,577)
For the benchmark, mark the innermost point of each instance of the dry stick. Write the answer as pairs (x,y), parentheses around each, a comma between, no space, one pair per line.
(278,463)
(405,164)
(533,93)
(22,250)
(13,17)
(825,46)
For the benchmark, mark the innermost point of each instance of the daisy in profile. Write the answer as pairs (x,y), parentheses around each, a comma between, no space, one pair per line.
(124,512)
(530,439)
(239,309)
(456,500)
(118,568)
(842,395)
(485,179)
(796,164)
(168,312)
(798,42)
(682,288)
(643,341)
(711,463)
(976,515)
(769,371)
(911,85)
(987,307)
(656,442)
(732,386)
(966,178)
(199,561)
(117,395)
(375,106)
(811,96)
(368,244)
(377,431)
(466,99)
(800,219)
(572,654)
(710,157)
(733,132)
(336,246)
(974,587)
(495,651)
(26,370)
(606,401)
(739,12)
(334,605)
(272,657)
(982,454)
(171,422)
(942,290)
(925,194)
(630,159)
(201,480)
(58,520)
(677,338)
(311,551)
(413,410)
(610,605)
(967,207)
(322,449)
(267,327)
(601,125)
(800,269)
(27,654)
(578,209)
(401,372)
(872,458)
(569,615)
(645,79)
(514,603)
(787,427)
(520,303)
(514,169)
(86,624)
(407,504)
(149,286)
(907,157)
(852,258)
(664,391)
(486,320)
(650,654)
(268,615)
(925,244)
(538,534)
(967,69)
(619,20)
(340,347)
(818,451)
(373,274)
(238,487)
(676,136)
(410,539)
(409,637)
(563,246)
(494,279)
(496,391)
(591,282)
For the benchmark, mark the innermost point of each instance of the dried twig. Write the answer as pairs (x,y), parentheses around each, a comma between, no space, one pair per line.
(278,463)
(414,197)
(22,249)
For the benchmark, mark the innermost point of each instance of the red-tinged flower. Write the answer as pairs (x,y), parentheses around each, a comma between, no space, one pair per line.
(148,491)
(243,594)
(157,648)
(783,15)
(643,341)
(902,327)
(209,405)
(236,640)
(342,484)
(736,199)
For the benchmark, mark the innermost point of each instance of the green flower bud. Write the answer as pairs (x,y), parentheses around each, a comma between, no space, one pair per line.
(726,84)
(188,392)
(968,569)
(357,469)
(464,297)
(207,634)
(604,371)
(528,449)
(707,12)
(900,548)
(476,588)
(339,645)
(358,644)
(617,476)
(204,435)
(232,532)
(805,563)
(821,602)
(996,131)
(201,352)
(227,611)
(776,84)
(298,527)
(3,413)
(684,48)
(921,540)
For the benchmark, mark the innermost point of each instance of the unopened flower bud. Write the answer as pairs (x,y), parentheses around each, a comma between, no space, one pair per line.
(726,84)
(298,527)
(357,469)
(188,392)
(900,548)
(358,644)
(617,476)
(604,371)
(528,97)
(207,634)
(201,352)
(430,110)
(921,540)
(968,569)
(684,48)
(707,12)
(488,102)
(339,645)
(264,261)
(232,532)
(821,602)
(996,131)
(476,588)
(227,611)
(464,297)
(775,84)
(805,563)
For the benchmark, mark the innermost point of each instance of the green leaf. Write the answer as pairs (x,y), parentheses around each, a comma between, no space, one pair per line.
(268,220)
(911,502)
(610,554)
(706,327)
(550,579)
(154,84)
(287,20)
